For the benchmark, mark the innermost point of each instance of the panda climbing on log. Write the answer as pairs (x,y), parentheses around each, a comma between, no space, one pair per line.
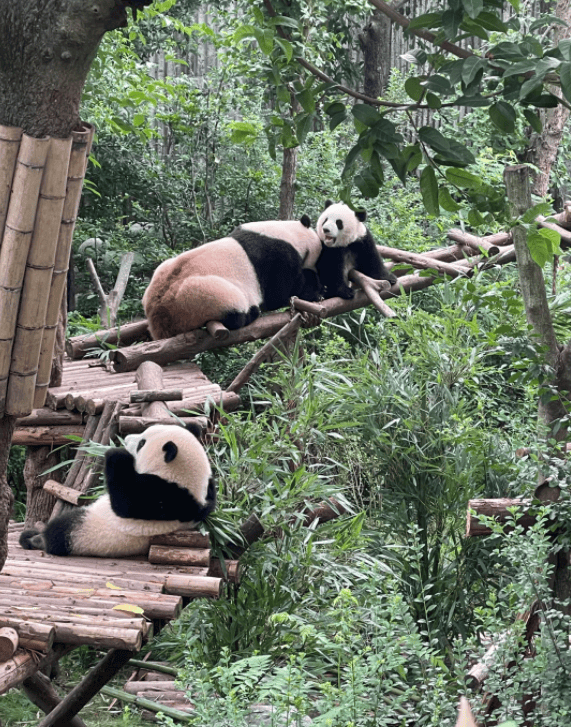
(258,267)
(160,482)
(347,244)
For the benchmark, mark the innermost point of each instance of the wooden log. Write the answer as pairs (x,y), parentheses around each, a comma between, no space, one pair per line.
(465,714)
(477,244)
(155,666)
(49,436)
(228,401)
(182,539)
(128,333)
(8,643)
(251,530)
(264,353)
(421,261)
(25,663)
(149,376)
(498,509)
(41,634)
(40,691)
(171,555)
(101,636)
(144,396)
(371,289)
(306,306)
(193,586)
(93,406)
(147,704)
(91,467)
(90,685)
(47,418)
(228,570)
(217,330)
(82,139)
(136,425)
(67,494)
(324,512)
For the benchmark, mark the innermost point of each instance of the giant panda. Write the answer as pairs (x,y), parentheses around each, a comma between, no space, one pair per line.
(159,482)
(258,267)
(346,244)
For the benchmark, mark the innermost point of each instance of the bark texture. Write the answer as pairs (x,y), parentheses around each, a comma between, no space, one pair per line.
(375,42)
(46,50)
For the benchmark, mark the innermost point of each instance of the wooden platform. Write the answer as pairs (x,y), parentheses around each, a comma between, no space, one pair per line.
(85,388)
(105,602)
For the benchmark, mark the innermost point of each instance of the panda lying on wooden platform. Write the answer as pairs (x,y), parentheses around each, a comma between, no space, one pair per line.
(258,267)
(346,244)
(160,482)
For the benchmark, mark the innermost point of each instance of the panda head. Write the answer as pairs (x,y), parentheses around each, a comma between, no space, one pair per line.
(174,454)
(339,225)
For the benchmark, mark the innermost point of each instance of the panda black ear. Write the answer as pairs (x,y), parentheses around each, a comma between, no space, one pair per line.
(171,450)
(305,221)
(361,215)
(328,203)
(195,428)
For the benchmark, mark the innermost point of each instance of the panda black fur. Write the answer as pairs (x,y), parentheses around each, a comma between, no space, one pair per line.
(259,266)
(160,482)
(346,244)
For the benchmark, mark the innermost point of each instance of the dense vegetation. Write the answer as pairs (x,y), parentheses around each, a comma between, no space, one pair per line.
(374,618)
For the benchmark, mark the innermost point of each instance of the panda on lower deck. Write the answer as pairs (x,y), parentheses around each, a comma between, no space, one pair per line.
(258,267)
(160,482)
(346,244)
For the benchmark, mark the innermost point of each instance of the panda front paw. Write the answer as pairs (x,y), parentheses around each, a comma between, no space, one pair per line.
(345,292)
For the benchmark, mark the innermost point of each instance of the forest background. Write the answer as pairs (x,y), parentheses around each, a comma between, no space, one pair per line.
(204,121)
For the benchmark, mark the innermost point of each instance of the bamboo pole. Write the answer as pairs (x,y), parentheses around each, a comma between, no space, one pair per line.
(147,704)
(18,230)
(10,137)
(81,145)
(37,280)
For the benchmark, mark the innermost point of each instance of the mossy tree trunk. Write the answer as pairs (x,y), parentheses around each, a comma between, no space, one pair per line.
(46,50)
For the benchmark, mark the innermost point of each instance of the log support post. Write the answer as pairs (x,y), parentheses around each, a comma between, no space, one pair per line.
(80,695)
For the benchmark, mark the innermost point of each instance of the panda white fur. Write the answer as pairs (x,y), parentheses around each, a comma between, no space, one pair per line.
(160,482)
(346,244)
(259,266)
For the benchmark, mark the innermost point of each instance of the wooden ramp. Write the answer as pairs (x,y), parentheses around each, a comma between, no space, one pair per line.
(55,604)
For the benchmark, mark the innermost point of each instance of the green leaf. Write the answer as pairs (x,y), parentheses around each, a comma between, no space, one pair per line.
(303,123)
(446,201)
(541,208)
(433,101)
(433,138)
(463,179)
(286,46)
(438,84)
(429,190)
(472,101)
(428,20)
(490,21)
(565,77)
(503,116)
(473,7)
(307,100)
(332,109)
(517,69)
(471,67)
(366,114)
(413,88)
(475,218)
(540,246)
(533,120)
(337,119)
(265,40)
(243,31)
(367,184)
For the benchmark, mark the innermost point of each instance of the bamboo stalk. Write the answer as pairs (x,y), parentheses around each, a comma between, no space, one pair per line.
(37,280)
(10,137)
(154,666)
(154,707)
(18,230)
(67,494)
(80,148)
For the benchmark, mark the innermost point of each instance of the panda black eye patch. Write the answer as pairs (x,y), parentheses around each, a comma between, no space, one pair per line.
(339,224)
(171,450)
(141,444)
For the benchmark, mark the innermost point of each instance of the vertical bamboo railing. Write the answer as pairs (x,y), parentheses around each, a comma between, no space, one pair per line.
(43,184)
(81,147)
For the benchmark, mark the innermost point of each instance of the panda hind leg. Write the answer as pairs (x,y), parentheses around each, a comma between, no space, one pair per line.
(310,287)
(238,319)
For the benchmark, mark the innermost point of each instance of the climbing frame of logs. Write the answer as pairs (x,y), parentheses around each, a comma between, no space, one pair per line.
(40,188)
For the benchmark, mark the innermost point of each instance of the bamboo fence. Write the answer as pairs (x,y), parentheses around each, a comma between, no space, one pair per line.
(40,189)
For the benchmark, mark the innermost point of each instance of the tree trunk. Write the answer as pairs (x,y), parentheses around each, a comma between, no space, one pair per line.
(544,147)
(39,504)
(287,184)
(375,41)
(46,50)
